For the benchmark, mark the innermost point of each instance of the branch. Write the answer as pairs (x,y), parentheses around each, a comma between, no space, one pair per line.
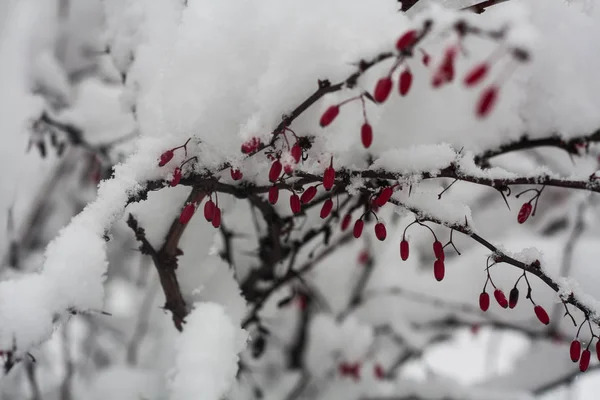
(479,8)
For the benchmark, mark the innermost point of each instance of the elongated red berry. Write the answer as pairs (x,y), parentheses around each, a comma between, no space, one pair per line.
(216,220)
(447,67)
(598,349)
(405,82)
(209,210)
(308,194)
(366,135)
(438,250)
(541,314)
(326,209)
(346,222)
(275,171)
(383,89)
(165,158)
(250,145)
(384,196)
(358,228)
(380,231)
(484,301)
(236,174)
(486,101)
(295,203)
(501,298)
(176,177)
(476,74)
(439,269)
(296,153)
(404,250)
(273,194)
(575,350)
(406,40)
(329,115)
(524,213)
(187,213)
(379,372)
(513,297)
(584,362)
(328,178)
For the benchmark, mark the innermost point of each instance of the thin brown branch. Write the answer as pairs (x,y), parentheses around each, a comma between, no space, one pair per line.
(479,8)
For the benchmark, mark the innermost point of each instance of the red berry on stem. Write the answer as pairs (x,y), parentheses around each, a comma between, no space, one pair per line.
(406,40)
(380,231)
(447,67)
(250,145)
(308,194)
(328,178)
(326,209)
(575,350)
(476,74)
(209,210)
(484,301)
(216,219)
(275,171)
(329,115)
(524,213)
(513,297)
(165,158)
(383,89)
(288,169)
(295,203)
(187,213)
(598,349)
(541,314)
(296,153)
(584,362)
(405,82)
(273,194)
(379,372)
(176,177)
(486,101)
(438,250)
(346,222)
(439,269)
(384,196)
(501,298)
(366,135)
(358,228)
(404,250)
(236,174)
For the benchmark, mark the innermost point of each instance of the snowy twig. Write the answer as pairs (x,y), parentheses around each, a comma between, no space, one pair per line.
(479,8)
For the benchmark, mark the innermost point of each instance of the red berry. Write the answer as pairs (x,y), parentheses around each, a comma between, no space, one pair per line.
(438,80)
(250,145)
(346,222)
(405,82)
(187,213)
(426,58)
(575,350)
(380,231)
(273,194)
(584,362)
(236,174)
(447,67)
(476,74)
(366,135)
(379,372)
(406,40)
(484,301)
(438,250)
(486,101)
(513,297)
(296,153)
(308,194)
(295,203)
(439,269)
(384,196)
(326,209)
(363,257)
(598,349)
(275,171)
(165,158)
(501,298)
(541,314)
(216,219)
(288,169)
(524,213)
(358,228)
(383,89)
(329,115)
(404,250)
(209,210)
(176,177)
(328,178)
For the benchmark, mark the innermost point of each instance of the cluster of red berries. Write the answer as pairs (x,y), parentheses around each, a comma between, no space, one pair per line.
(511,302)
(352,370)
(583,357)
(439,268)
(212,212)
